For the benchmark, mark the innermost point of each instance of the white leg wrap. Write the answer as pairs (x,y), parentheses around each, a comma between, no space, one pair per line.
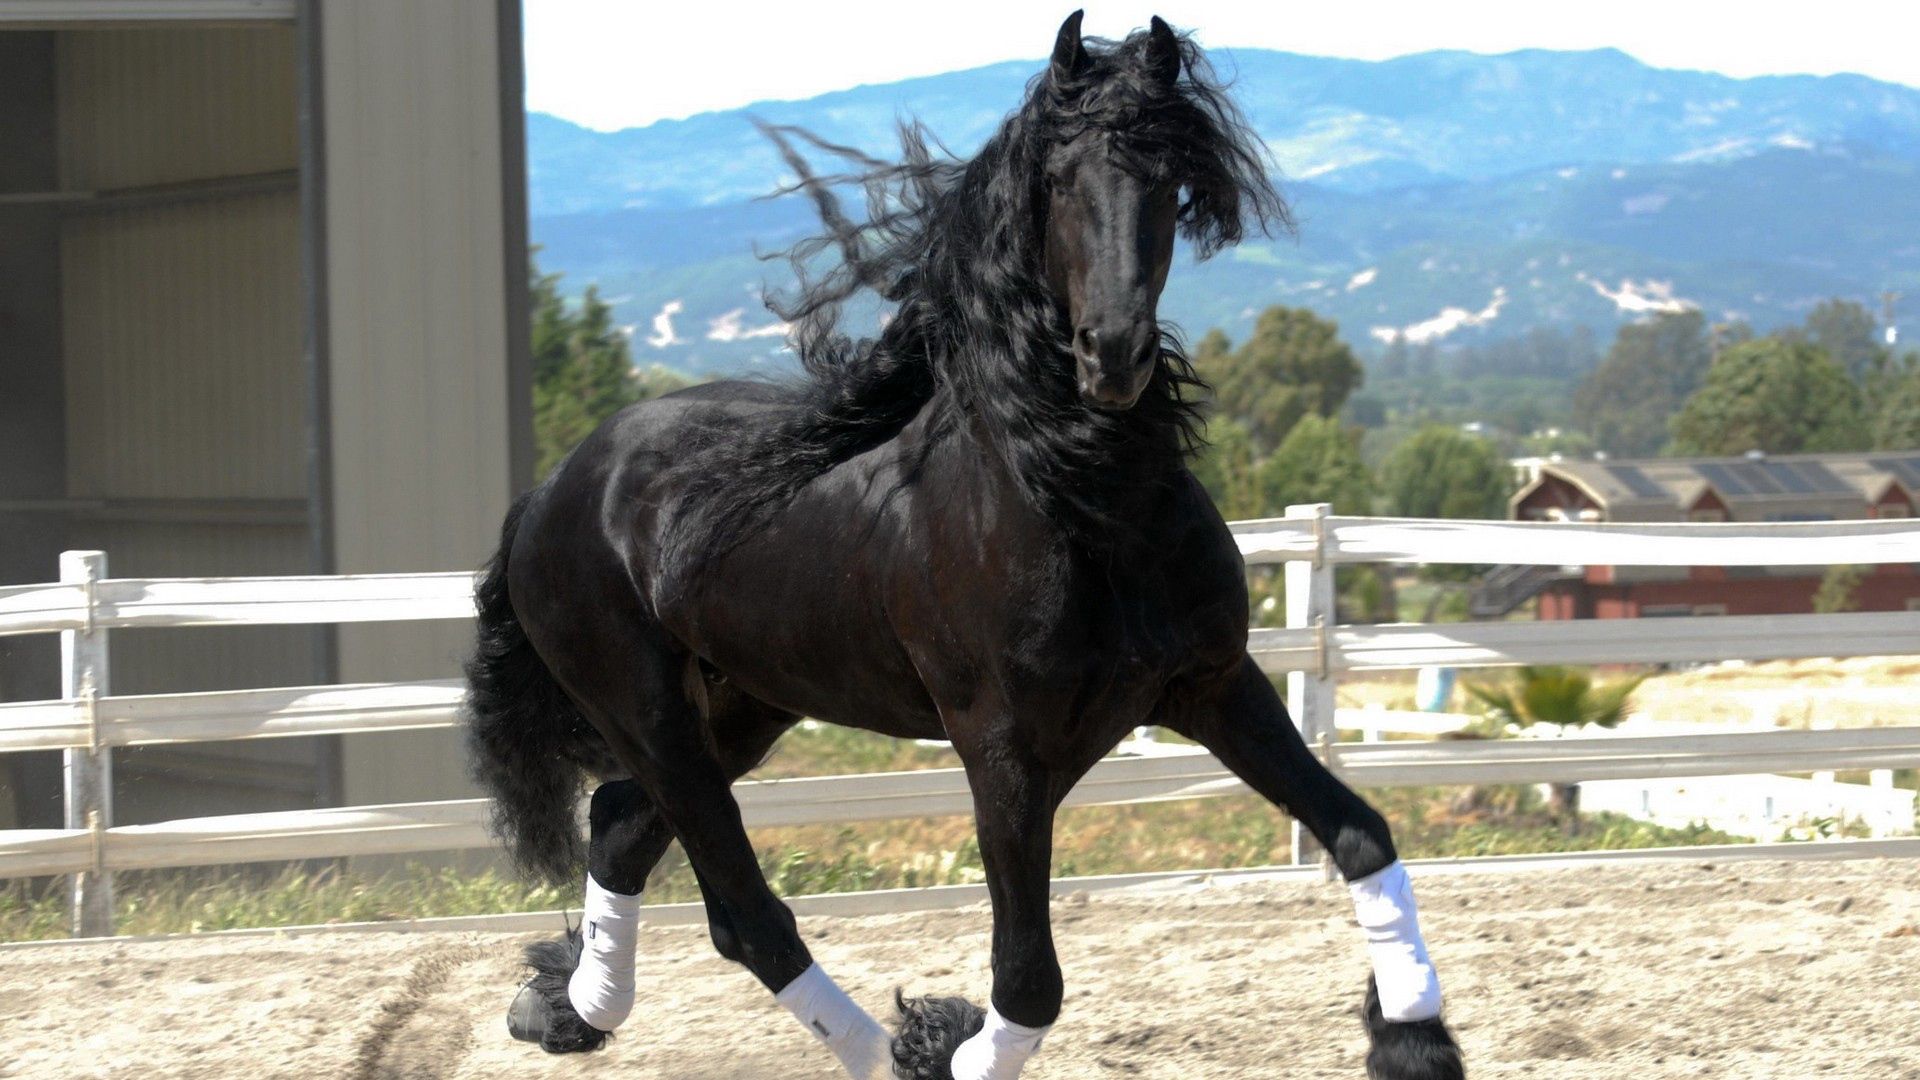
(862,1045)
(999,1051)
(601,988)
(1383,903)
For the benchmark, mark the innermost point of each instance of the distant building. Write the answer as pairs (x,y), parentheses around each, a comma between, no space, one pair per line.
(1800,487)
(263,303)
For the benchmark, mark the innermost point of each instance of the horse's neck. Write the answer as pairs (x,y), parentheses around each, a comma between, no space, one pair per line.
(977,454)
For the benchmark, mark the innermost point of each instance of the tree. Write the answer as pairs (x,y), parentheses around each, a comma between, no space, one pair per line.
(1726,335)
(1318,461)
(1651,368)
(1894,394)
(1395,360)
(1442,472)
(1564,696)
(1213,347)
(1294,365)
(1566,443)
(1782,397)
(1840,589)
(1847,332)
(1367,410)
(582,370)
(1227,468)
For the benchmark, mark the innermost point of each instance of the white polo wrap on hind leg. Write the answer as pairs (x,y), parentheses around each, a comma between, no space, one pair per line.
(1383,903)
(601,988)
(998,1051)
(862,1045)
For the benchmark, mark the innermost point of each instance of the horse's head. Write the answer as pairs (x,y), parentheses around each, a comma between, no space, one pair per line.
(1139,145)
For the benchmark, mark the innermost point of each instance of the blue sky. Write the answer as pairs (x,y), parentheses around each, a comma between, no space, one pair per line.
(623,63)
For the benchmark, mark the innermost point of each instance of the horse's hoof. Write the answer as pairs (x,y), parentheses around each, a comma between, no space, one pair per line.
(527,1016)
(931,1029)
(1415,1050)
(541,1012)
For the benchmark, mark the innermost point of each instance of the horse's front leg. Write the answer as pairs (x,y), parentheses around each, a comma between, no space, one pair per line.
(1014,802)
(1246,726)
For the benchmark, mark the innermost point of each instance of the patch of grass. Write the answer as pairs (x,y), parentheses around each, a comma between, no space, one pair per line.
(220,898)
(816,749)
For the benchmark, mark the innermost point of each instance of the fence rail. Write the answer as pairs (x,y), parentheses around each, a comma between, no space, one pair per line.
(1312,651)
(1174,773)
(1556,543)
(159,719)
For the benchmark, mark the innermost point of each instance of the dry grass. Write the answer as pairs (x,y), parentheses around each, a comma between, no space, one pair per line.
(1840,693)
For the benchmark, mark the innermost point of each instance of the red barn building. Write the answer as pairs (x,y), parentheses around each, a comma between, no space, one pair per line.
(1799,487)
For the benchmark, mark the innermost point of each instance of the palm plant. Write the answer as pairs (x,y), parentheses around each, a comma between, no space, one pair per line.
(1563,696)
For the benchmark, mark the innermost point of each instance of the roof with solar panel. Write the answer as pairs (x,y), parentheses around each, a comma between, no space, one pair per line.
(1756,487)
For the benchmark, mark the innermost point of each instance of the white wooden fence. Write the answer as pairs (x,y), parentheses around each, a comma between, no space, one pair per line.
(1311,650)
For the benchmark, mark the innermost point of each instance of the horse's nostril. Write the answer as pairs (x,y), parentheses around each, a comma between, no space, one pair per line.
(1149,350)
(1088,341)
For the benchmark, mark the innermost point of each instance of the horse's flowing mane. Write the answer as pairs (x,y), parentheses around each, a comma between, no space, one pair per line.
(956,249)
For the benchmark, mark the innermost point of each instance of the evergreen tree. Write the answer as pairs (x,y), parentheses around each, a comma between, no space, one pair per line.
(1782,397)
(582,370)
(1652,367)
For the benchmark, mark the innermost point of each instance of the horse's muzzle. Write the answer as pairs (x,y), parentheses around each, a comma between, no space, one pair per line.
(1115,363)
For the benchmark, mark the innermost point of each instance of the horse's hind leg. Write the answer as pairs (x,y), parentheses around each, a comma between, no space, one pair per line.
(633,686)
(1247,727)
(749,924)
(583,986)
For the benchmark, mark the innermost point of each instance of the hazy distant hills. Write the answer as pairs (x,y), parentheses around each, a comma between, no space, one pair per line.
(1442,195)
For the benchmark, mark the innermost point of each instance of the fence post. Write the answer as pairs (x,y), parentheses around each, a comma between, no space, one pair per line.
(88,772)
(1310,694)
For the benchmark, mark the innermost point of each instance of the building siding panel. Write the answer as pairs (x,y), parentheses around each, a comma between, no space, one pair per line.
(184,376)
(182,382)
(162,106)
(418,366)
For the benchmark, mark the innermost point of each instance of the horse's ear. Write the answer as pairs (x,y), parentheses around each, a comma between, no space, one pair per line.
(1163,51)
(1069,56)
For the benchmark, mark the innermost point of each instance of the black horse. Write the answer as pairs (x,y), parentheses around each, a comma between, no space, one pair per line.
(977,525)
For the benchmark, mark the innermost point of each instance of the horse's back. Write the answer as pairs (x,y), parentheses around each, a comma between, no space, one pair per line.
(602,502)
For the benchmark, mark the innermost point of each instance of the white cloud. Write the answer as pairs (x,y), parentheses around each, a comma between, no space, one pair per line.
(1363,279)
(1651,203)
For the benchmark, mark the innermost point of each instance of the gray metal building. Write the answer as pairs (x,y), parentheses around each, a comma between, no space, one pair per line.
(262,311)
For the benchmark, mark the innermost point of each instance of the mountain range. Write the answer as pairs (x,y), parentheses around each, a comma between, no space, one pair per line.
(1441,197)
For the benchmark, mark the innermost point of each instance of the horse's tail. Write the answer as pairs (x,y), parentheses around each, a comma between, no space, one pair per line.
(527,743)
